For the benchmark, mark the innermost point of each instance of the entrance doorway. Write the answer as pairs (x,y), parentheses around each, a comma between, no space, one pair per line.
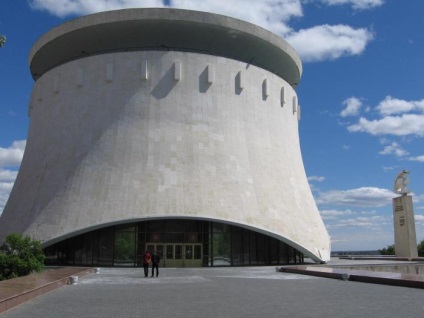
(178,254)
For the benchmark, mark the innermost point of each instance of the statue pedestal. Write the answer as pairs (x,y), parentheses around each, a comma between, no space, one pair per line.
(404,224)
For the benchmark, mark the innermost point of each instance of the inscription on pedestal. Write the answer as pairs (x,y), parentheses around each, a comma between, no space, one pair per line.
(404,227)
(399,208)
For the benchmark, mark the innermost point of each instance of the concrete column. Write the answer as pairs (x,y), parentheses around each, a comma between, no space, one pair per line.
(404,225)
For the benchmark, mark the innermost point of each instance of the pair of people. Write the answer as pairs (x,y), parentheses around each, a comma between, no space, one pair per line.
(154,259)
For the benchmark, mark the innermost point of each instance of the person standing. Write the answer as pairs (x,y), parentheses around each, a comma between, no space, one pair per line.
(146,261)
(155,263)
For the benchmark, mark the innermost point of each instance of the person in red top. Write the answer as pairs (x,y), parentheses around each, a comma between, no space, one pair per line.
(146,261)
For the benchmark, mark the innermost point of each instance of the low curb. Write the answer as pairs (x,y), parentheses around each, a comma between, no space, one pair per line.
(385,278)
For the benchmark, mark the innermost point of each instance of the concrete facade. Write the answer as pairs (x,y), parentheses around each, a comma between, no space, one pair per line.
(141,130)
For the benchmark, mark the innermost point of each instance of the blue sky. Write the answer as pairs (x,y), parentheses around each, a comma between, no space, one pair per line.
(361,92)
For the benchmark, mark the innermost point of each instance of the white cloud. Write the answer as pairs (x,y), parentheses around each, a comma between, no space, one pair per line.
(62,8)
(417,198)
(395,149)
(409,119)
(318,43)
(367,222)
(12,156)
(334,214)
(7,178)
(361,239)
(272,15)
(353,105)
(329,42)
(316,178)
(7,175)
(361,229)
(363,197)
(407,124)
(389,168)
(390,106)
(419,158)
(419,219)
(5,188)
(356,4)
(9,157)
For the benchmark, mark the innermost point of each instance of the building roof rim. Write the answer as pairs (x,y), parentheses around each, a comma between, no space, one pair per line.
(167,14)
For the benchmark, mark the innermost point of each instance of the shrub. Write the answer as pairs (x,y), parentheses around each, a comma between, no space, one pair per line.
(2,40)
(19,256)
(421,249)
(390,250)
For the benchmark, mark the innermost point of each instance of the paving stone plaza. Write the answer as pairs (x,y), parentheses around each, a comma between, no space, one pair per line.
(220,292)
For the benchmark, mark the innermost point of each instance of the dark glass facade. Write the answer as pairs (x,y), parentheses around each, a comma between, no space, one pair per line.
(180,243)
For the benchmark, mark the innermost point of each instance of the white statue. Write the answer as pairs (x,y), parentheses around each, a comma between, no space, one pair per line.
(401,183)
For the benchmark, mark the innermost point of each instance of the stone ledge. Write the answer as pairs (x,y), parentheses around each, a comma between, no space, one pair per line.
(385,278)
(18,290)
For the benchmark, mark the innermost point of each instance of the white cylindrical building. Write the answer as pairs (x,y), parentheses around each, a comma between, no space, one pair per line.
(165,129)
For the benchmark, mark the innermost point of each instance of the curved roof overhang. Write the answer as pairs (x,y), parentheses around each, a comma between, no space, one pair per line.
(301,248)
(165,29)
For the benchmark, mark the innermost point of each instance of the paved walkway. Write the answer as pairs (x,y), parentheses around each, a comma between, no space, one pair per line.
(220,292)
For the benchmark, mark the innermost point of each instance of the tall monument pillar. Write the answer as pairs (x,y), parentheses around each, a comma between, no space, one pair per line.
(403,219)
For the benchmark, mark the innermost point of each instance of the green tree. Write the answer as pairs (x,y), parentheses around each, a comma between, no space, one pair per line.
(389,250)
(2,40)
(124,246)
(19,256)
(421,248)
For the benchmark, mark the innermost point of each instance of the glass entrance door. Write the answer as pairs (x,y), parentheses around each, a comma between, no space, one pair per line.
(178,255)
(192,255)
